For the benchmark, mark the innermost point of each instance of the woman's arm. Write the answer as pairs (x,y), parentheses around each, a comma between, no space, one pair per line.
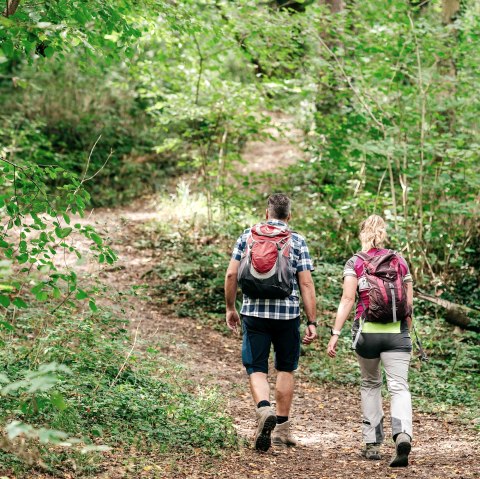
(344,309)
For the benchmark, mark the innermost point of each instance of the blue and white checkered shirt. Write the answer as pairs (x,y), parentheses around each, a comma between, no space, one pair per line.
(287,308)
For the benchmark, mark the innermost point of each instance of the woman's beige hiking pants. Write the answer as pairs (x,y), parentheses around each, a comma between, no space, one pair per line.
(396,364)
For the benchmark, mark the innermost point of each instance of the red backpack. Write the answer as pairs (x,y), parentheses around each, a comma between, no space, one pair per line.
(387,293)
(265,269)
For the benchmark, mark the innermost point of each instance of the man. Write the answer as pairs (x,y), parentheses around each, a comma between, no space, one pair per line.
(277,321)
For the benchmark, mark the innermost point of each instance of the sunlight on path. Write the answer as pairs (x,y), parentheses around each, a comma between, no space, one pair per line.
(280,151)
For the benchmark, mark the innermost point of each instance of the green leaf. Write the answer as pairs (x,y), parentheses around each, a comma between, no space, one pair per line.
(42,296)
(22,258)
(81,294)
(7,326)
(66,218)
(4,301)
(63,232)
(7,45)
(58,401)
(6,21)
(93,306)
(49,51)
(96,238)
(19,303)
(36,289)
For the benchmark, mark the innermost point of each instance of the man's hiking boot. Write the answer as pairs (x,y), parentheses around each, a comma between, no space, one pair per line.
(281,435)
(403,447)
(372,451)
(267,420)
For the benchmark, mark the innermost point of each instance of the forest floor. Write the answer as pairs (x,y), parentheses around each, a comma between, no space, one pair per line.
(326,417)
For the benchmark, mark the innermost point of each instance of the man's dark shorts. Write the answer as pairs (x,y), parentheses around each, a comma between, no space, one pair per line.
(258,336)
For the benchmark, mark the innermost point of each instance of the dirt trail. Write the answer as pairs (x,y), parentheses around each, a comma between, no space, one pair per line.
(278,151)
(326,418)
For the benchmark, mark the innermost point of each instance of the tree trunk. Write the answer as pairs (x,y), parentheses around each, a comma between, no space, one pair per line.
(11,7)
(335,5)
(456,314)
(449,9)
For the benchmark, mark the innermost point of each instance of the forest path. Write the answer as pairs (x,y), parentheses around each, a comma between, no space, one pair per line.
(326,417)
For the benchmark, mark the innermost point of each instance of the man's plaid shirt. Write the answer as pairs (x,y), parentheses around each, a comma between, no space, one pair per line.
(287,308)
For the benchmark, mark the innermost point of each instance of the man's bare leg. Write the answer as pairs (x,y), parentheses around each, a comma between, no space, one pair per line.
(259,387)
(284,392)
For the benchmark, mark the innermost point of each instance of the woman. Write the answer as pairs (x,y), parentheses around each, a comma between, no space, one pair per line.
(378,341)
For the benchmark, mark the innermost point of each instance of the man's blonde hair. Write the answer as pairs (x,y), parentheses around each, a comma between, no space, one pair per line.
(373,232)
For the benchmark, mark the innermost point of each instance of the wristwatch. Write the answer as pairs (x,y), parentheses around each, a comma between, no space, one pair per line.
(312,323)
(334,332)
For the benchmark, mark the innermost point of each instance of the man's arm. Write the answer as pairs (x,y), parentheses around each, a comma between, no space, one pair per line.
(231,284)
(307,289)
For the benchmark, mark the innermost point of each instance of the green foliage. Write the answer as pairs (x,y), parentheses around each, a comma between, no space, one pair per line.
(42,29)
(102,394)
(391,130)
(37,235)
(189,280)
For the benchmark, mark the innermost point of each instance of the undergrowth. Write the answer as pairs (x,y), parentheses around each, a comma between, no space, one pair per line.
(109,397)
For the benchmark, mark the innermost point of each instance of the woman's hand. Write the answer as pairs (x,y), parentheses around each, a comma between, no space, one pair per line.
(332,346)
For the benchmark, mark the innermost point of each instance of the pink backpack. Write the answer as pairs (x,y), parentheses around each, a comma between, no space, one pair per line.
(387,293)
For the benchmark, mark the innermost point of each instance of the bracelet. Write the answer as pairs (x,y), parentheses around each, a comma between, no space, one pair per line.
(312,323)
(334,332)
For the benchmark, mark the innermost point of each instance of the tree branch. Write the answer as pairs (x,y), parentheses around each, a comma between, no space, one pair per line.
(200,68)
(456,314)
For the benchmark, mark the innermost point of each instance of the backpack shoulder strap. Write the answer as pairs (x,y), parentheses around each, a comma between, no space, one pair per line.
(363,255)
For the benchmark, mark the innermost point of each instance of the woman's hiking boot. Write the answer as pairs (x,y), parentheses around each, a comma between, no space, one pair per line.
(281,435)
(372,451)
(403,447)
(267,420)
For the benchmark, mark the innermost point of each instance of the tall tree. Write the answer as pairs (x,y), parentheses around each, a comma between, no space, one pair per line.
(11,7)
(335,5)
(449,10)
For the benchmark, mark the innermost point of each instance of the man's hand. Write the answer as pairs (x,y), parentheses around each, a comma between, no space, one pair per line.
(332,346)
(310,334)
(233,320)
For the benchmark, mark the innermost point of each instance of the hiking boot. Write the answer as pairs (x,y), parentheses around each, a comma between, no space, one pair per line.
(372,451)
(403,447)
(281,435)
(267,420)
